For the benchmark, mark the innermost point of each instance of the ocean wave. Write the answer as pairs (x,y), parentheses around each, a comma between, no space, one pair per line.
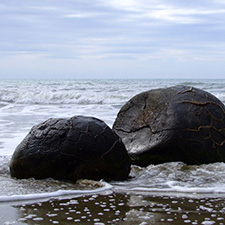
(49,97)
(90,91)
(192,83)
(221,97)
(61,97)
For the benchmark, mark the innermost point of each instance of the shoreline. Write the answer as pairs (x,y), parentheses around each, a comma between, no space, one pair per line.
(115,208)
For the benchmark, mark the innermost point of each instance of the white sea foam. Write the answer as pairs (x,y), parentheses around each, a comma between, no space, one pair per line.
(176,177)
(58,193)
(181,190)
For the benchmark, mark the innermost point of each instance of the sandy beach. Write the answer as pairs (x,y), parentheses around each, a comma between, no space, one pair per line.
(116,208)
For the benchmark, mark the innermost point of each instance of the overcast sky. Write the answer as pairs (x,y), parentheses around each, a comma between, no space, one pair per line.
(112,39)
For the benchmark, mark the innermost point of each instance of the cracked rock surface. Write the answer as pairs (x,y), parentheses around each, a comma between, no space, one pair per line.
(178,123)
(70,149)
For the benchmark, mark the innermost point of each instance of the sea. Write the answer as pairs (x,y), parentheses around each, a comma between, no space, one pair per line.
(169,193)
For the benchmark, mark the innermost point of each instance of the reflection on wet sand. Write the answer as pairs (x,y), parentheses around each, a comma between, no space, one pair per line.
(117,208)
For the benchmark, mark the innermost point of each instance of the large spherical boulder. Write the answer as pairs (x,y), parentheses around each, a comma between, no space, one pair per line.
(70,149)
(179,123)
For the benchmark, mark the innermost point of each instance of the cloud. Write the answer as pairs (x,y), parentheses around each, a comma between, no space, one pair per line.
(80,15)
(219,2)
(161,10)
(129,31)
(182,15)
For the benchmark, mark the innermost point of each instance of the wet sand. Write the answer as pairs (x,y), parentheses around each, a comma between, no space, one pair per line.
(115,208)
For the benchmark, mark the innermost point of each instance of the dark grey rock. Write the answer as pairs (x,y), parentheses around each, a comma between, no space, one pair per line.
(179,123)
(70,149)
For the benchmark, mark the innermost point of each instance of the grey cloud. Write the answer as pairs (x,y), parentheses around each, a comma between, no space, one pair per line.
(113,29)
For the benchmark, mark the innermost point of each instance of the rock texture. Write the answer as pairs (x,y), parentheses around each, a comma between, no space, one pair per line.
(179,123)
(71,149)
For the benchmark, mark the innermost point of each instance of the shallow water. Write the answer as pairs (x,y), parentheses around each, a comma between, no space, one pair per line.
(164,188)
(118,208)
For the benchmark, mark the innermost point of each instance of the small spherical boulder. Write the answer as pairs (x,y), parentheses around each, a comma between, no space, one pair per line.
(179,123)
(70,149)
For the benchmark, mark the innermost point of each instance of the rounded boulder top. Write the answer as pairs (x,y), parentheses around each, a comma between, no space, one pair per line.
(70,149)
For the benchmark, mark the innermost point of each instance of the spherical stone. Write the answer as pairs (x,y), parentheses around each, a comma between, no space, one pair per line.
(179,123)
(70,149)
